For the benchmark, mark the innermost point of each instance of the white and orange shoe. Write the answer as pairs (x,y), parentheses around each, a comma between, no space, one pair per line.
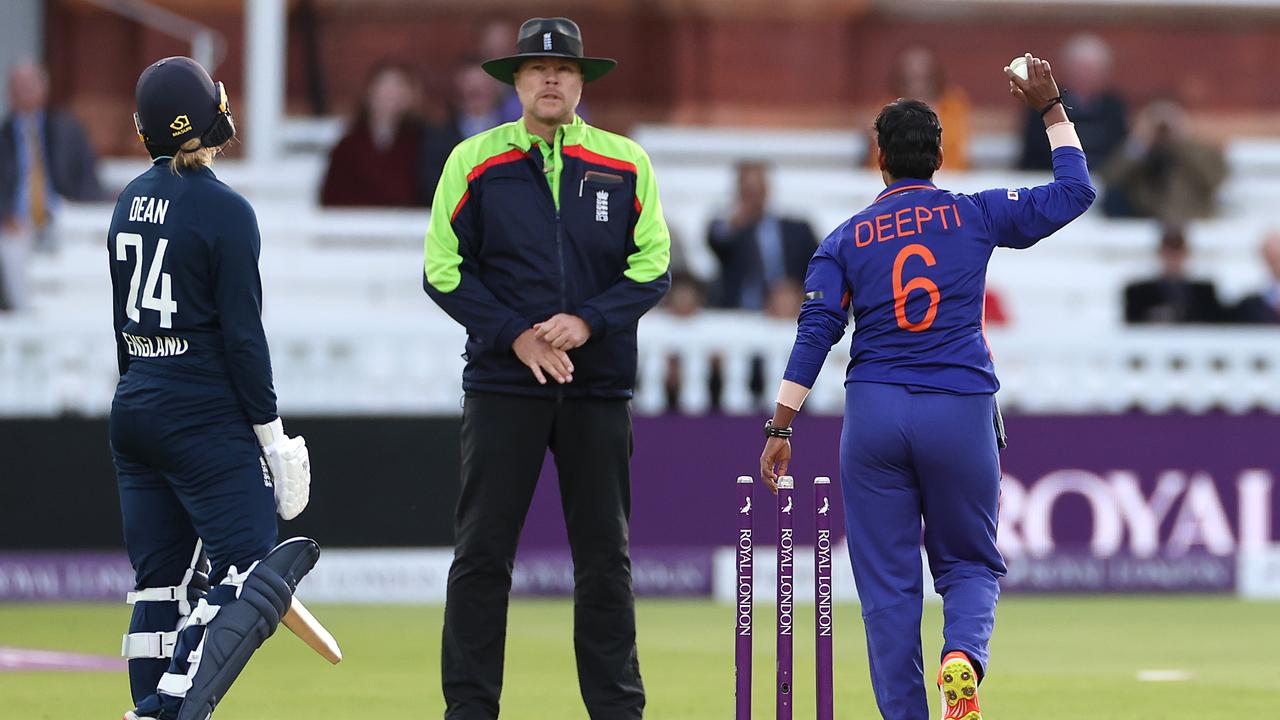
(959,685)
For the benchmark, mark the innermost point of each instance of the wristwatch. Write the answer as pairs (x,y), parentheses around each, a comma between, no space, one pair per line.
(771,431)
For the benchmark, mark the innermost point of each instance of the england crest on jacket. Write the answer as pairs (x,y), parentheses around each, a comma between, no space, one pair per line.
(602,206)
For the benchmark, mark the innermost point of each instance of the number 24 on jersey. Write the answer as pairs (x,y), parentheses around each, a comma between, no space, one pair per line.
(162,302)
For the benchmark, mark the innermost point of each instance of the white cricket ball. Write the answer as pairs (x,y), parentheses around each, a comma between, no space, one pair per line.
(1019,66)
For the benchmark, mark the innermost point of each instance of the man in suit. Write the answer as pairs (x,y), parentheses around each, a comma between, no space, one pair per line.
(477,106)
(1172,297)
(45,158)
(1264,306)
(756,248)
(1097,109)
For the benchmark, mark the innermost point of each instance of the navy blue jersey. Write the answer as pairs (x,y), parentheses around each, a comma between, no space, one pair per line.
(185,283)
(912,268)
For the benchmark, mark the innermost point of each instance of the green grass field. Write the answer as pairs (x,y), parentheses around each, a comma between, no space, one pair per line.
(1054,659)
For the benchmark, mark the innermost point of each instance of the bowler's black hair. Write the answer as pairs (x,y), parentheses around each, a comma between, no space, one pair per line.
(910,136)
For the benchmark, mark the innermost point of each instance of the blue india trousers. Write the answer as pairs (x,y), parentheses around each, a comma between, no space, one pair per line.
(920,464)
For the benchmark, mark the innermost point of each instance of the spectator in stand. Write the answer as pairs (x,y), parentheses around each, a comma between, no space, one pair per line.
(917,75)
(477,107)
(1098,111)
(1163,171)
(784,300)
(687,296)
(495,41)
(1264,306)
(479,100)
(377,163)
(1171,297)
(45,159)
(756,248)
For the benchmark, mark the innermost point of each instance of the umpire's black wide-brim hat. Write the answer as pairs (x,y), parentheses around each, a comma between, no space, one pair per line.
(548,37)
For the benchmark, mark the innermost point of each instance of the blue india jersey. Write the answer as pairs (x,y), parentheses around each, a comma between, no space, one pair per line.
(911,271)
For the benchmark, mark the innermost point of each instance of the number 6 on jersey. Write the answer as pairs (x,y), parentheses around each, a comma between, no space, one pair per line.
(900,291)
(162,303)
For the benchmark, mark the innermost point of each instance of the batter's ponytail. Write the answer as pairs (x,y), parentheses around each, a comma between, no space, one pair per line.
(192,156)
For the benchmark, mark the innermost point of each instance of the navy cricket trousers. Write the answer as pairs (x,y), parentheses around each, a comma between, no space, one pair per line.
(913,461)
(188,471)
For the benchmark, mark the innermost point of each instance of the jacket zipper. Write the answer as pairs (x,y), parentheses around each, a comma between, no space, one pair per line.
(564,285)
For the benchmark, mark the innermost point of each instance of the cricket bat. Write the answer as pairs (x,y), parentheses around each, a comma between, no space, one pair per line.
(302,623)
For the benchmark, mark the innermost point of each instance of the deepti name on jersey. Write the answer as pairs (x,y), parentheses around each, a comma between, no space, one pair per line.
(905,222)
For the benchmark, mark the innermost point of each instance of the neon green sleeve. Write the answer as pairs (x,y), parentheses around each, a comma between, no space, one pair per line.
(653,241)
(441,256)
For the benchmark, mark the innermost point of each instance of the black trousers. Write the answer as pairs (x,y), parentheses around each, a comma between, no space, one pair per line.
(504,440)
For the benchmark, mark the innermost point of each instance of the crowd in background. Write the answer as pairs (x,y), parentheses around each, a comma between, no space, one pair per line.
(1152,165)
(394,146)
(1173,296)
(45,159)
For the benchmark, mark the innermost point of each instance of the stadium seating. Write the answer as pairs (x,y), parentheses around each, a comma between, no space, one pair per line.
(352,331)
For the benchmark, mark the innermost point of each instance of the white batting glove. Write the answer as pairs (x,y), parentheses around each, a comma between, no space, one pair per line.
(290,467)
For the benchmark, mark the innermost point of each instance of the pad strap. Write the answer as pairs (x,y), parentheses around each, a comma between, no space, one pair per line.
(164,594)
(149,645)
(176,593)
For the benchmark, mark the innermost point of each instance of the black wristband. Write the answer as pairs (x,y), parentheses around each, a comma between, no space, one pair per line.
(1056,101)
(771,431)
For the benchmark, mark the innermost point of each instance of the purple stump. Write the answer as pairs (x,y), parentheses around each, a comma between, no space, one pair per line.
(786,589)
(742,622)
(823,620)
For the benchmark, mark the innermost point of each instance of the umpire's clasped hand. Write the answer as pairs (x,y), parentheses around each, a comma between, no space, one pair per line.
(543,359)
(564,331)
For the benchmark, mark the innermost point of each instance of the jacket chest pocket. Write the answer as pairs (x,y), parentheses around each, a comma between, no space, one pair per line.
(601,212)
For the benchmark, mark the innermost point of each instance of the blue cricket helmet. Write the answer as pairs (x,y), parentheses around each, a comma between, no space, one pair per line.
(177,101)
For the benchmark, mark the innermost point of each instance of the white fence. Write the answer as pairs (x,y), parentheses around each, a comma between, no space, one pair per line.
(411,363)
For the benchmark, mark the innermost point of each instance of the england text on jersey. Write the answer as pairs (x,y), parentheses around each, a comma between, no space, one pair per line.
(154,347)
